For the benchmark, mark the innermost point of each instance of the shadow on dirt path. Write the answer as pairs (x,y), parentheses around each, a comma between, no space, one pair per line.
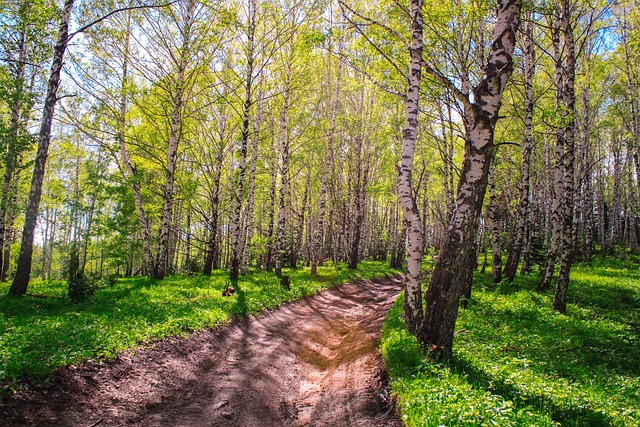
(310,363)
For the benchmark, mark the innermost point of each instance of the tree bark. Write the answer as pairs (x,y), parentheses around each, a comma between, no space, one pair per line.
(480,116)
(163,260)
(272,214)
(568,159)
(515,248)
(358,206)
(244,268)
(12,147)
(557,189)
(23,272)
(284,173)
(236,205)
(413,274)
(318,235)
(127,168)
(496,251)
(212,242)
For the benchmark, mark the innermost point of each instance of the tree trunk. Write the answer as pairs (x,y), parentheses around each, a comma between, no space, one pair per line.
(12,147)
(10,232)
(252,189)
(236,205)
(515,248)
(21,280)
(448,278)
(163,258)
(271,220)
(212,242)
(568,159)
(358,207)
(284,174)
(45,242)
(318,235)
(496,251)
(127,168)
(186,265)
(557,189)
(413,274)
(587,186)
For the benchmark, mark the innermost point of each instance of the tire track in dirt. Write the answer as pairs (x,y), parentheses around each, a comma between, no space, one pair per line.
(310,363)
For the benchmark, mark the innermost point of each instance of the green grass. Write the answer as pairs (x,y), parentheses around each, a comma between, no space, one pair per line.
(40,334)
(518,363)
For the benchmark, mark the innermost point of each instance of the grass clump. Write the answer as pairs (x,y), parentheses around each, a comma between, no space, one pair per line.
(518,363)
(44,329)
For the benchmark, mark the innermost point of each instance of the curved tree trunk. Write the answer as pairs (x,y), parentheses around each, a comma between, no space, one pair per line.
(127,169)
(163,261)
(449,276)
(21,280)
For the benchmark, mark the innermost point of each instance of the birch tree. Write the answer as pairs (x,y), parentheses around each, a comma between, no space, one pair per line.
(480,116)
(415,242)
(522,213)
(23,272)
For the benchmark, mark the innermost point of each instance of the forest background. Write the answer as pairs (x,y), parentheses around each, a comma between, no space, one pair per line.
(255,135)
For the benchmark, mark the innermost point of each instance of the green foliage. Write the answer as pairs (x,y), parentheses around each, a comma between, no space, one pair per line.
(44,330)
(519,363)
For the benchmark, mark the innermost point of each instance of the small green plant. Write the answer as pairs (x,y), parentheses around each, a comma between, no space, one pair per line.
(518,363)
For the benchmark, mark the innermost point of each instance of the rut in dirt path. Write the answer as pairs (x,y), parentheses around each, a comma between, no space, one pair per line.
(310,363)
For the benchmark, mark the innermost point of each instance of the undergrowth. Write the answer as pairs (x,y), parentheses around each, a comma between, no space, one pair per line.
(518,363)
(44,329)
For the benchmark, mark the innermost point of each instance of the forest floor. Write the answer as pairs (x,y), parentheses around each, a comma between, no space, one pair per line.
(311,362)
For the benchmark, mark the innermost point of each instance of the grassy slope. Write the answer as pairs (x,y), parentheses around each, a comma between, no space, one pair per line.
(40,334)
(518,363)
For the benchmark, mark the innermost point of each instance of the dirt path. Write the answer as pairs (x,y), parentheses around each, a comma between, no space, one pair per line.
(313,362)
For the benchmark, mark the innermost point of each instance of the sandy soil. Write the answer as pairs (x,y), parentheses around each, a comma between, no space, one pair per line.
(309,363)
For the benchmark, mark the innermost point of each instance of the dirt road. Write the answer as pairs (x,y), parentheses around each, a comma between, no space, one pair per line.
(310,363)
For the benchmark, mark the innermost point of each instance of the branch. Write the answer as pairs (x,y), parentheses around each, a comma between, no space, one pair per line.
(379,24)
(113,12)
(374,81)
(371,43)
(447,84)
(15,61)
(498,144)
(72,95)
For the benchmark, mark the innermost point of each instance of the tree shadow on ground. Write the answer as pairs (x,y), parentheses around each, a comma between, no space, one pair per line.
(574,415)
(239,308)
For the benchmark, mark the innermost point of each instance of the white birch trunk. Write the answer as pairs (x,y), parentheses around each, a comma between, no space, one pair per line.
(163,262)
(413,274)
(23,272)
(515,248)
(12,147)
(568,160)
(318,235)
(451,273)
(496,252)
(284,173)
(557,189)
(235,229)
(244,267)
